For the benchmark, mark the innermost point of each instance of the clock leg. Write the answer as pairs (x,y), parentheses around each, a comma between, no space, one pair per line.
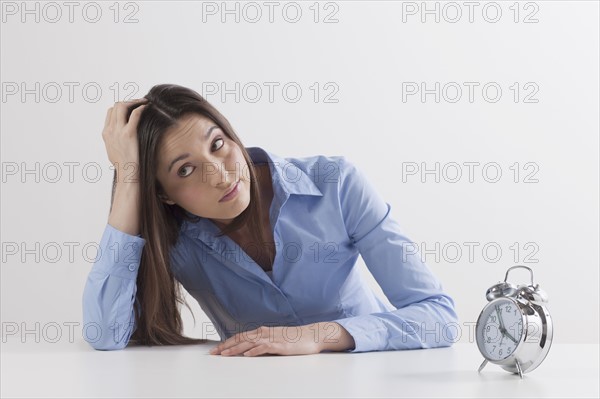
(519,368)
(482,365)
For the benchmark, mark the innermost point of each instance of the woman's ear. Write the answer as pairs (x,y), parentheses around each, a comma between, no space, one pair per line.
(165,199)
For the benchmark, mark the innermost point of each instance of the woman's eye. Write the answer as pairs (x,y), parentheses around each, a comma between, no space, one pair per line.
(219,139)
(193,167)
(185,167)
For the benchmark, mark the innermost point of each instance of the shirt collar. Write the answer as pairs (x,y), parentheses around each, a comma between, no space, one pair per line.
(287,179)
(285,174)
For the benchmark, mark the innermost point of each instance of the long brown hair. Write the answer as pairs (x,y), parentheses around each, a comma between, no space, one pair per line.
(157,317)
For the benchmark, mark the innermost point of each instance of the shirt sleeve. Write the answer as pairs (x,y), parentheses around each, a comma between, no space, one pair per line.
(425,316)
(110,288)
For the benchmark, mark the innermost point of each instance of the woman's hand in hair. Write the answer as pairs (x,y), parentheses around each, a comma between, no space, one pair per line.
(120,136)
(292,340)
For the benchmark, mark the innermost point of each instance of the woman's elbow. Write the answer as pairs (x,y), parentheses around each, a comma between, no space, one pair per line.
(449,328)
(107,345)
(104,338)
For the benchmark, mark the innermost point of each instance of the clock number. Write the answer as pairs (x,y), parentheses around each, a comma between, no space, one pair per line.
(493,319)
(500,352)
(494,348)
(508,309)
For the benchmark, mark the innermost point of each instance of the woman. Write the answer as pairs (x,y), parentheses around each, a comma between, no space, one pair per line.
(266,245)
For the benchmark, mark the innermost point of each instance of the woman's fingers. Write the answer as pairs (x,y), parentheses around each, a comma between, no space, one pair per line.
(135,115)
(122,107)
(120,137)
(238,349)
(257,351)
(107,119)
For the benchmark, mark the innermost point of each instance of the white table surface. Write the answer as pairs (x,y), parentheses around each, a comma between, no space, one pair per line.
(76,370)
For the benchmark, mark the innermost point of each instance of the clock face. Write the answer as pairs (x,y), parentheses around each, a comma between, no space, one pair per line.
(499,329)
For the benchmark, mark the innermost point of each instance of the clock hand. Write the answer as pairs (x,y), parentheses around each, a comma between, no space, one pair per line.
(510,336)
(500,319)
(502,328)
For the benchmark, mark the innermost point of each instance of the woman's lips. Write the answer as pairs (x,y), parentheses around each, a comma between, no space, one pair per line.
(231,194)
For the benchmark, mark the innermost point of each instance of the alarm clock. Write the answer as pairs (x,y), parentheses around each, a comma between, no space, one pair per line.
(514,330)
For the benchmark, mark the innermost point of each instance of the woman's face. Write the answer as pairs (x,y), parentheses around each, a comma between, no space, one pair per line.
(198,164)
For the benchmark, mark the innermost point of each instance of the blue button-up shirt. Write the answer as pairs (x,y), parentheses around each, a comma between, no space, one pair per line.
(324,214)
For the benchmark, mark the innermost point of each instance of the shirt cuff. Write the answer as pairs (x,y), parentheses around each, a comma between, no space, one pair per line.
(119,253)
(368,331)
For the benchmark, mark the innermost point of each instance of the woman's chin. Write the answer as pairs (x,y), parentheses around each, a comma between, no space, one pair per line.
(234,207)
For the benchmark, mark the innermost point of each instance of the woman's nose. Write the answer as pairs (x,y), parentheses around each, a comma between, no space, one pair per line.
(227,177)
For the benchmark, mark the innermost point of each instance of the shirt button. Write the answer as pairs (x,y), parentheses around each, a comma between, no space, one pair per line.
(132,266)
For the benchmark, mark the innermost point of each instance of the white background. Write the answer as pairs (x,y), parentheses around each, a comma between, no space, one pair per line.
(369,57)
